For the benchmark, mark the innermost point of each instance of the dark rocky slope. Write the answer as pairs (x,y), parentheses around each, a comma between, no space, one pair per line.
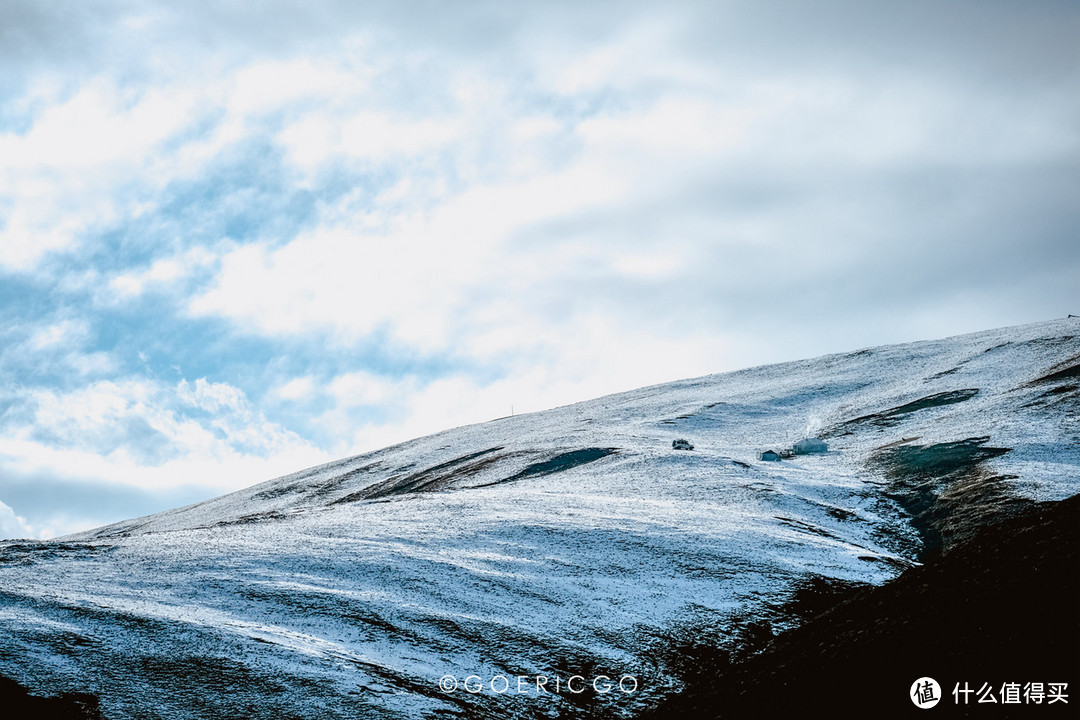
(18,703)
(1001,606)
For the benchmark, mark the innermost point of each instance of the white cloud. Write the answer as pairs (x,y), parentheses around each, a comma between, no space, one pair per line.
(269,84)
(215,397)
(296,389)
(162,273)
(96,127)
(364,388)
(147,435)
(373,136)
(13,526)
(71,173)
(99,156)
(221,468)
(414,276)
(60,345)
(64,333)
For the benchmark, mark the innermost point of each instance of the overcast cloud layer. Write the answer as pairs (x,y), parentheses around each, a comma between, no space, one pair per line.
(234,243)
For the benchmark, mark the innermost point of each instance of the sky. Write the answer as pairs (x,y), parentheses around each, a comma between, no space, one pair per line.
(238,240)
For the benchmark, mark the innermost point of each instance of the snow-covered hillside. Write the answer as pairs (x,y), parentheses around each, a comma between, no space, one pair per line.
(569,542)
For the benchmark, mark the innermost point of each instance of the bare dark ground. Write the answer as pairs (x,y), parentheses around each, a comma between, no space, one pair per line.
(17,703)
(1000,606)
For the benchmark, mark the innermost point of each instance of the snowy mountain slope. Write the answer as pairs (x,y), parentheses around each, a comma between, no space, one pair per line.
(569,542)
